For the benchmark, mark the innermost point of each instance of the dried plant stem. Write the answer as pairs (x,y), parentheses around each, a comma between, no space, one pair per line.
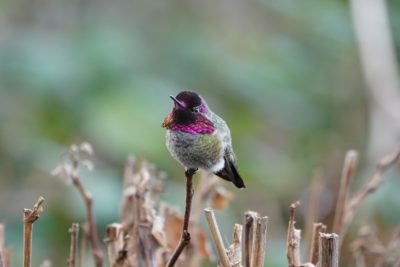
(73,250)
(259,241)
(30,216)
(92,231)
(314,249)
(367,244)
(249,217)
(122,257)
(373,183)
(115,242)
(312,206)
(216,237)
(329,250)
(349,166)
(235,249)
(293,239)
(126,211)
(185,238)
(135,237)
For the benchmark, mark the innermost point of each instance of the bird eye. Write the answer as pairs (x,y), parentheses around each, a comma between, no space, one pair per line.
(196,109)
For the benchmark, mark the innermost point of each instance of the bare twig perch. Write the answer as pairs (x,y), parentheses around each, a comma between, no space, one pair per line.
(216,237)
(185,238)
(374,182)
(314,249)
(259,241)
(329,250)
(30,216)
(293,239)
(73,251)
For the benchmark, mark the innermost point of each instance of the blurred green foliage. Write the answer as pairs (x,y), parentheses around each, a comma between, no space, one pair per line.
(284,74)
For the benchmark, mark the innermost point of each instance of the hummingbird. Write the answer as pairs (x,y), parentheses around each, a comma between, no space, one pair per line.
(199,139)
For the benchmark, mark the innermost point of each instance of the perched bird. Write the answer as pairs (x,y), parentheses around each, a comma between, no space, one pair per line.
(198,138)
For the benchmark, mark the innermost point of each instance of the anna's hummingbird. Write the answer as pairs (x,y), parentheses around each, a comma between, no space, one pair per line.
(198,138)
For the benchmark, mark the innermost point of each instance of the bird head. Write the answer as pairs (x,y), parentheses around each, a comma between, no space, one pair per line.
(187,107)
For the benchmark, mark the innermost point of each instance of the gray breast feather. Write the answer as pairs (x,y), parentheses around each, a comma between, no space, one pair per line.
(196,151)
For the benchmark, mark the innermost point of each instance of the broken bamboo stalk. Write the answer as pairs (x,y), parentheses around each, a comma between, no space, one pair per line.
(250,217)
(328,250)
(314,248)
(216,237)
(259,242)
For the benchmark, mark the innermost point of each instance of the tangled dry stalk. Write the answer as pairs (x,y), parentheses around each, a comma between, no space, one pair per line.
(147,231)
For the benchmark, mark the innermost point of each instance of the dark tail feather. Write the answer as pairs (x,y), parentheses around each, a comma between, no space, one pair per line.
(230,173)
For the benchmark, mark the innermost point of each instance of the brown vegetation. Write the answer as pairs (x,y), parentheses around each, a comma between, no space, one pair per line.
(148,231)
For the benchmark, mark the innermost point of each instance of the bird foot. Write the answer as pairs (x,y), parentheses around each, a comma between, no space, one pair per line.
(190,172)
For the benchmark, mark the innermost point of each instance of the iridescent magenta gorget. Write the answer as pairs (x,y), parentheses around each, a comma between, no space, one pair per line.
(200,126)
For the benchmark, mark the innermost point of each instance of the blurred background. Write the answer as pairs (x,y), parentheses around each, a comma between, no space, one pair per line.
(287,76)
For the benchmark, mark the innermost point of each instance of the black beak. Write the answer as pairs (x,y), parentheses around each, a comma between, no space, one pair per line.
(179,103)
